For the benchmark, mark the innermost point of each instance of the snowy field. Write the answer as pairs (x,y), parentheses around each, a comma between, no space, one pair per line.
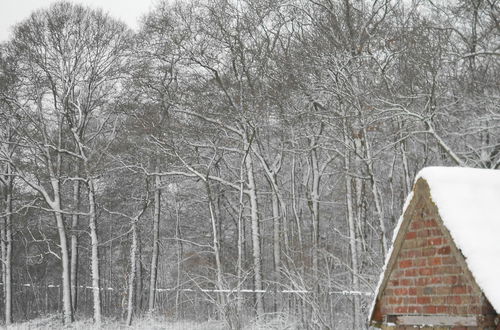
(54,322)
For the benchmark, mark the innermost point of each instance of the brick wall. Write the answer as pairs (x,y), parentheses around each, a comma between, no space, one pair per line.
(427,278)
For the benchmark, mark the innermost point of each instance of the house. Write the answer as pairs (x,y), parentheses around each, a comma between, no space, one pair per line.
(443,269)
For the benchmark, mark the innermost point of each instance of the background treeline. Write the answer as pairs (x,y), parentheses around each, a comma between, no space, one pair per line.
(232,159)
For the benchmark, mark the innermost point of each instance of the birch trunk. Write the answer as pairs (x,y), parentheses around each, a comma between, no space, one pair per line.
(255,235)
(295,210)
(276,250)
(180,254)
(131,280)
(94,241)
(240,245)
(66,283)
(352,233)
(156,234)
(315,213)
(138,294)
(3,246)
(74,245)
(66,276)
(216,248)
(7,248)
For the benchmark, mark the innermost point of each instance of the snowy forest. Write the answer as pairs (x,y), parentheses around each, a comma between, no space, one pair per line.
(238,161)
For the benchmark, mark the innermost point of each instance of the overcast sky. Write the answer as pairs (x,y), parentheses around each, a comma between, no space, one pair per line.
(14,11)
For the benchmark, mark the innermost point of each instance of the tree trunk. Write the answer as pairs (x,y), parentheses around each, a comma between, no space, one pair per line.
(376,196)
(74,245)
(276,249)
(352,234)
(180,254)
(138,294)
(131,279)
(156,235)
(66,276)
(216,248)
(7,249)
(255,236)
(94,241)
(3,246)
(315,213)
(241,238)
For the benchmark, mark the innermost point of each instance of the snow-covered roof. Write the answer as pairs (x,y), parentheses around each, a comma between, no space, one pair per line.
(468,201)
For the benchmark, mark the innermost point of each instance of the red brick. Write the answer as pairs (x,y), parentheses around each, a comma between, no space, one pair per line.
(430,309)
(406,282)
(430,223)
(405,263)
(422,281)
(413,253)
(401,310)
(436,232)
(420,262)
(435,241)
(425,271)
(459,289)
(401,291)
(454,300)
(444,250)
(393,283)
(415,309)
(411,235)
(411,272)
(453,279)
(416,224)
(395,300)
(442,309)
(412,291)
(436,261)
(423,300)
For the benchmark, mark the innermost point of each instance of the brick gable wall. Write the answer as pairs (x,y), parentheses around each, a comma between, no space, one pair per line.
(427,277)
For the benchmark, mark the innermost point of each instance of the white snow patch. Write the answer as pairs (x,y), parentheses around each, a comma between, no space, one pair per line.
(468,201)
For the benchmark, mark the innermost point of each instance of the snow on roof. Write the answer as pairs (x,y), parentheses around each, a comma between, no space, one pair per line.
(468,201)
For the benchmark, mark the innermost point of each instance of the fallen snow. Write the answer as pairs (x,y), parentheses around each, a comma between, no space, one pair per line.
(53,322)
(468,201)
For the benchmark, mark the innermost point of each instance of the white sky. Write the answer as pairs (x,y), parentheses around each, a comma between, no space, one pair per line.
(14,11)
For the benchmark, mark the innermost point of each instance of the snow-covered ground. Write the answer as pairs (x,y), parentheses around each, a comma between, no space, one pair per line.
(54,323)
